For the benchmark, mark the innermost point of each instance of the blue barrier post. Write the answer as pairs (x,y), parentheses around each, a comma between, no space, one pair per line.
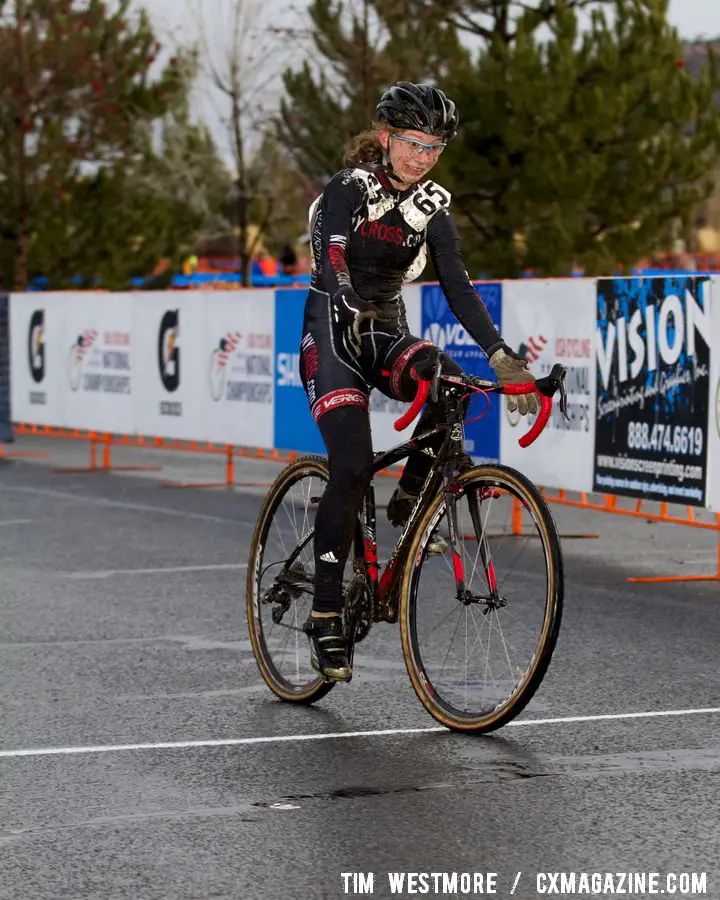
(6,435)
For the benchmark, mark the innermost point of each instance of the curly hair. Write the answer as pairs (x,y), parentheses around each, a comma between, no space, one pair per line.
(364,148)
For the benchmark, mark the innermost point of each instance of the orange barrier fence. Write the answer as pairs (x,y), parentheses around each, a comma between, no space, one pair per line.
(639,510)
(101,444)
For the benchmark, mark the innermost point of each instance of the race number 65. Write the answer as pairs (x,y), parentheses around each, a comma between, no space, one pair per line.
(424,202)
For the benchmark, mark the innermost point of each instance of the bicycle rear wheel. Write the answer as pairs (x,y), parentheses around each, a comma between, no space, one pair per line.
(475,662)
(280,582)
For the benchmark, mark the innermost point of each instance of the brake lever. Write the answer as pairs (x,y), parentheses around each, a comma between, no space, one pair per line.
(553,382)
(563,403)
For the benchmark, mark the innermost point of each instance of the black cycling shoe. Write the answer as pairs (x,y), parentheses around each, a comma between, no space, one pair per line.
(328,648)
(400,507)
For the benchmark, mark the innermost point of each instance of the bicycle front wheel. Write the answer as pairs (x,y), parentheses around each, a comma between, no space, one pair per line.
(475,661)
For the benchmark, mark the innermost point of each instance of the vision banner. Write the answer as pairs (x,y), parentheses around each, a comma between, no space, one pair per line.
(653,377)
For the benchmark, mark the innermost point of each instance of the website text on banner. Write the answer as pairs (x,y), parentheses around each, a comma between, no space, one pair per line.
(653,379)
(550,322)
(6,435)
(439,325)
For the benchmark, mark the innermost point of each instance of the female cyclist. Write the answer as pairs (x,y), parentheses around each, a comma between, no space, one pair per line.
(371,230)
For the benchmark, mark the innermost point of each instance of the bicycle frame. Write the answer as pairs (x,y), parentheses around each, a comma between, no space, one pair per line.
(441,471)
(455,390)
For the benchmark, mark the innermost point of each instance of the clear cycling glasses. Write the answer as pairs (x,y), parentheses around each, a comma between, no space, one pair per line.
(419,147)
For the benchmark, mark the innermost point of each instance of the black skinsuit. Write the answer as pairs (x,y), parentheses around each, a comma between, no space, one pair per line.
(367,235)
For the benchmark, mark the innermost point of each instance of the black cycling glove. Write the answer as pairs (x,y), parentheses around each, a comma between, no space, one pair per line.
(350,311)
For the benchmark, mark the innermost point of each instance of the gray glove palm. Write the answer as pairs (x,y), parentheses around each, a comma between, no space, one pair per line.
(513,369)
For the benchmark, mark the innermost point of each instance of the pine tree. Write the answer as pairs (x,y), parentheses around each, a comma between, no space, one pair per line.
(362,47)
(156,203)
(577,146)
(585,150)
(74,82)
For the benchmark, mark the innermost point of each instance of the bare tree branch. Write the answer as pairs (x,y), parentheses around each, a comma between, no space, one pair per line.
(239,54)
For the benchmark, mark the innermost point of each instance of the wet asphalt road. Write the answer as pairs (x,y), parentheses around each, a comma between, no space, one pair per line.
(95,655)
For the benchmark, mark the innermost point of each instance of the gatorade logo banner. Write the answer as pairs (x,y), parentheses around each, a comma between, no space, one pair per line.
(169,351)
(38,382)
(168,332)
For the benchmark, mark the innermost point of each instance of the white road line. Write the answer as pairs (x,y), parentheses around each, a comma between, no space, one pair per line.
(325,736)
(109,573)
(17,522)
(107,503)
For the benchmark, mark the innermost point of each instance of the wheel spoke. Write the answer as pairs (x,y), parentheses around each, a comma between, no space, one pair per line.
(282,645)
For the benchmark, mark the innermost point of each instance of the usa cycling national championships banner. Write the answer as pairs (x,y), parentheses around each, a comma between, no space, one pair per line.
(550,322)
(653,366)
(439,325)
(238,358)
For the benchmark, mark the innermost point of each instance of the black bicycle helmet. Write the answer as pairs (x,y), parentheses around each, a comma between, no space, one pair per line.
(419,107)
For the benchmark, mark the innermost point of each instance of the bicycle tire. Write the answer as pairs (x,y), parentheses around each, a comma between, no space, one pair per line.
(318,687)
(526,491)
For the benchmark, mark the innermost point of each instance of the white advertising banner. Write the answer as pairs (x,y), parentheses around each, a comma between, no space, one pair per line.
(713,487)
(96,361)
(38,382)
(238,354)
(550,322)
(384,410)
(171,397)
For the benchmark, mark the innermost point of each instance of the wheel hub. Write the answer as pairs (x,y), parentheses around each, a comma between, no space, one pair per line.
(490,601)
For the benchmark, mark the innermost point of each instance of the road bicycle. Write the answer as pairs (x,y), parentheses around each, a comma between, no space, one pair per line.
(491,602)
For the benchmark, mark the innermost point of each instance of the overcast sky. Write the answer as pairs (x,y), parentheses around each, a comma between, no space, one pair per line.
(693,18)
(177,21)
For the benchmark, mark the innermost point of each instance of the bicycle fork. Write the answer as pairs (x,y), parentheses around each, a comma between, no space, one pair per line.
(456,548)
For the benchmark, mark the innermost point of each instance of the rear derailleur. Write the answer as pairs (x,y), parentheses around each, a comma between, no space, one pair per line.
(289,585)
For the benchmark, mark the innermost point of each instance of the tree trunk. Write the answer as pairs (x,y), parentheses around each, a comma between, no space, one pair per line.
(242,185)
(242,212)
(22,255)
